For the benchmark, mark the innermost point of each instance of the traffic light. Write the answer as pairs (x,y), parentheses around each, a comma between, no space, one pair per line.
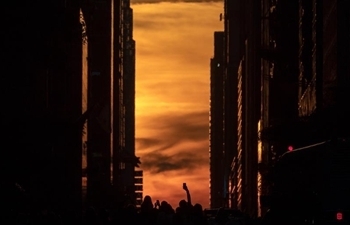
(339,216)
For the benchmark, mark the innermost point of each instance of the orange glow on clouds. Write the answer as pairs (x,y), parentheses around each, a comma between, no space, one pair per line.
(174,44)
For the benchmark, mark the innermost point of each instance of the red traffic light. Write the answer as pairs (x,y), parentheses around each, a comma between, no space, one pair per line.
(290,148)
(339,216)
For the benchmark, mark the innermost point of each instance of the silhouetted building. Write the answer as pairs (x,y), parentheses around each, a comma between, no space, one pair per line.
(231,61)
(124,159)
(262,65)
(286,78)
(59,77)
(100,88)
(44,97)
(322,74)
(242,102)
(279,69)
(216,129)
(138,189)
(309,84)
(324,65)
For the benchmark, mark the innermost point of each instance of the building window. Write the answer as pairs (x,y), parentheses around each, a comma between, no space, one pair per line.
(122,166)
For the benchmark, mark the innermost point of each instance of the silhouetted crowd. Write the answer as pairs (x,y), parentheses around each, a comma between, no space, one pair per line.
(149,214)
(158,213)
(162,213)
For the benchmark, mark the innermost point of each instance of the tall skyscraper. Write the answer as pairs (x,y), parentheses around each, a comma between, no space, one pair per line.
(124,159)
(286,78)
(216,150)
(44,95)
(100,77)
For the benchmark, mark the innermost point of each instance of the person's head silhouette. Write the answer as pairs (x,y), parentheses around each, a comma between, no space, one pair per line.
(147,203)
(198,209)
(183,204)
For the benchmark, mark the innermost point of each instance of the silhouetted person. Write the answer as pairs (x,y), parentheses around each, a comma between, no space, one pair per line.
(129,215)
(188,195)
(148,214)
(157,204)
(165,214)
(221,217)
(198,217)
(183,212)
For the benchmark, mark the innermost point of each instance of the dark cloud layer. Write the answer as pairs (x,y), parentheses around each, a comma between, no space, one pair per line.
(190,126)
(147,142)
(174,1)
(187,160)
(156,144)
(174,129)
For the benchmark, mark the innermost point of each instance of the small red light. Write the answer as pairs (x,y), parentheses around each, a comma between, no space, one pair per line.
(339,216)
(290,148)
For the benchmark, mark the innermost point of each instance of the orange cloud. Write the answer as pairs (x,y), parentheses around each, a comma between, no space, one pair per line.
(176,1)
(174,44)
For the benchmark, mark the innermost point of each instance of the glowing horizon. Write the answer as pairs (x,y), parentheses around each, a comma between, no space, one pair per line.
(174,44)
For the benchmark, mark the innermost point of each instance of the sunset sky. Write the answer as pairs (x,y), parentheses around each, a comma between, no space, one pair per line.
(174,44)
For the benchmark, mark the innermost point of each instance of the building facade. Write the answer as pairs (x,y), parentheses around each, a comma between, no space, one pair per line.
(60,115)
(100,88)
(216,151)
(279,69)
(44,121)
(288,64)
(242,102)
(124,160)
(231,61)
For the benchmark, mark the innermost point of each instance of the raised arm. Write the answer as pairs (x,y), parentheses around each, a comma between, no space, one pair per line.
(189,202)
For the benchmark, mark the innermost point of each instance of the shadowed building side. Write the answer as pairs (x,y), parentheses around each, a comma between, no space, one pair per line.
(43,98)
(216,129)
(242,102)
(231,60)
(99,135)
(124,160)
(279,69)
(315,108)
